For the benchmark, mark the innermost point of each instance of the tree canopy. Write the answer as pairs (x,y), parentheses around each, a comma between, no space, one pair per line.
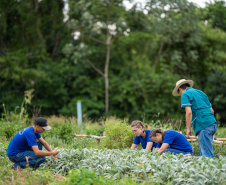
(117,61)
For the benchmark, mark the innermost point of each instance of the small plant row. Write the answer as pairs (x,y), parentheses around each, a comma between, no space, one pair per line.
(142,166)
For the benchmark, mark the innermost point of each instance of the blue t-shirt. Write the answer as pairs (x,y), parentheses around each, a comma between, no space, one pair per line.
(23,141)
(202,115)
(138,139)
(176,141)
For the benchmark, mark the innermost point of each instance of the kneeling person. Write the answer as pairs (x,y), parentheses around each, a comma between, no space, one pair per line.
(171,141)
(142,136)
(24,149)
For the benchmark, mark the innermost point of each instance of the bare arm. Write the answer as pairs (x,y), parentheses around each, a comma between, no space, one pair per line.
(188,120)
(45,144)
(133,146)
(212,110)
(163,147)
(47,147)
(43,153)
(149,146)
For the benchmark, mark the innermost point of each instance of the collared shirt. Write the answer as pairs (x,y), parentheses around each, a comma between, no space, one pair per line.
(202,115)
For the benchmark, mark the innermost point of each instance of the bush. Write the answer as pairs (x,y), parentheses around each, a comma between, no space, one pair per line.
(95,129)
(63,132)
(118,134)
(10,129)
(84,142)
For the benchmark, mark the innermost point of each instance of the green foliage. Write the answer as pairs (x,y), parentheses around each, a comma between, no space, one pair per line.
(217,93)
(10,129)
(85,177)
(95,129)
(142,166)
(118,134)
(84,143)
(63,132)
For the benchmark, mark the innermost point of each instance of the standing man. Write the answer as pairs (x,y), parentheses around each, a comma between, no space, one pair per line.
(199,114)
(25,150)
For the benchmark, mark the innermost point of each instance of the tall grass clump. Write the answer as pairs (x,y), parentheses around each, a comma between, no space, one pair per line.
(118,134)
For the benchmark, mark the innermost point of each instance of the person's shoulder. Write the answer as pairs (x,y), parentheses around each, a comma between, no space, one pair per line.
(147,131)
(171,132)
(28,130)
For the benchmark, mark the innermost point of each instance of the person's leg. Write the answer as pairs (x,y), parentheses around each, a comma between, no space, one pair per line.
(205,137)
(28,157)
(175,151)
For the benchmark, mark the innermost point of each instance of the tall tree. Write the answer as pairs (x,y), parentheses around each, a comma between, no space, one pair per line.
(97,22)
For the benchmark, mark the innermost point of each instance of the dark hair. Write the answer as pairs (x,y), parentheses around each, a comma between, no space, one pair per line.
(157,131)
(184,86)
(137,124)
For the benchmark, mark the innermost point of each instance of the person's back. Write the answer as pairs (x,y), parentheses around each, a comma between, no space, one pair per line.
(23,141)
(199,113)
(202,115)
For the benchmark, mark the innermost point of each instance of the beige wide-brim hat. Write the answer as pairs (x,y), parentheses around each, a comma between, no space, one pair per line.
(180,83)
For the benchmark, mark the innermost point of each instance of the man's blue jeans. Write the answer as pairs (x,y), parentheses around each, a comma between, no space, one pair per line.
(28,157)
(206,139)
(175,151)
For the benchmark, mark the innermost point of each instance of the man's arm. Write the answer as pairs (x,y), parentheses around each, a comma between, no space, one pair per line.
(188,120)
(212,110)
(133,146)
(45,144)
(149,146)
(47,147)
(43,153)
(163,147)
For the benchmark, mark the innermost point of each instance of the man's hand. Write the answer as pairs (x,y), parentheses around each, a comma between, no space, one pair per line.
(55,156)
(55,152)
(188,133)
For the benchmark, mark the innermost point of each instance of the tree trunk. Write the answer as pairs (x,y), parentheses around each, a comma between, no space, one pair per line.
(106,77)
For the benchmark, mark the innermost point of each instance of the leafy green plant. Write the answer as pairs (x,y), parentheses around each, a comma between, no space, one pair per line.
(118,134)
(9,129)
(85,177)
(142,166)
(95,129)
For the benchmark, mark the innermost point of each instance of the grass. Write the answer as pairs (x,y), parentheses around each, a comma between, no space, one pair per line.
(221,132)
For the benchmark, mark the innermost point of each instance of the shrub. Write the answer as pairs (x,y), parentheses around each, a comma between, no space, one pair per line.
(10,129)
(118,134)
(84,142)
(95,129)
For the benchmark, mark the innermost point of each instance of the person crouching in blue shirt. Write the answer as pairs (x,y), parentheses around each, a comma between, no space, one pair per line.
(142,136)
(170,141)
(25,150)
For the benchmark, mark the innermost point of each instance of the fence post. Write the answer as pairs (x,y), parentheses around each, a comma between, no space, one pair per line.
(79,115)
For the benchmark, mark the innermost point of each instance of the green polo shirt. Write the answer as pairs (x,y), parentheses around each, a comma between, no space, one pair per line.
(202,115)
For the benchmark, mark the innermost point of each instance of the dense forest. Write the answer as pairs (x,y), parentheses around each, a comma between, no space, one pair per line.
(116,61)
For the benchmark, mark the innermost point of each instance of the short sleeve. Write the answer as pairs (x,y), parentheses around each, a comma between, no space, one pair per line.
(185,102)
(148,137)
(158,145)
(38,135)
(169,137)
(136,140)
(31,139)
